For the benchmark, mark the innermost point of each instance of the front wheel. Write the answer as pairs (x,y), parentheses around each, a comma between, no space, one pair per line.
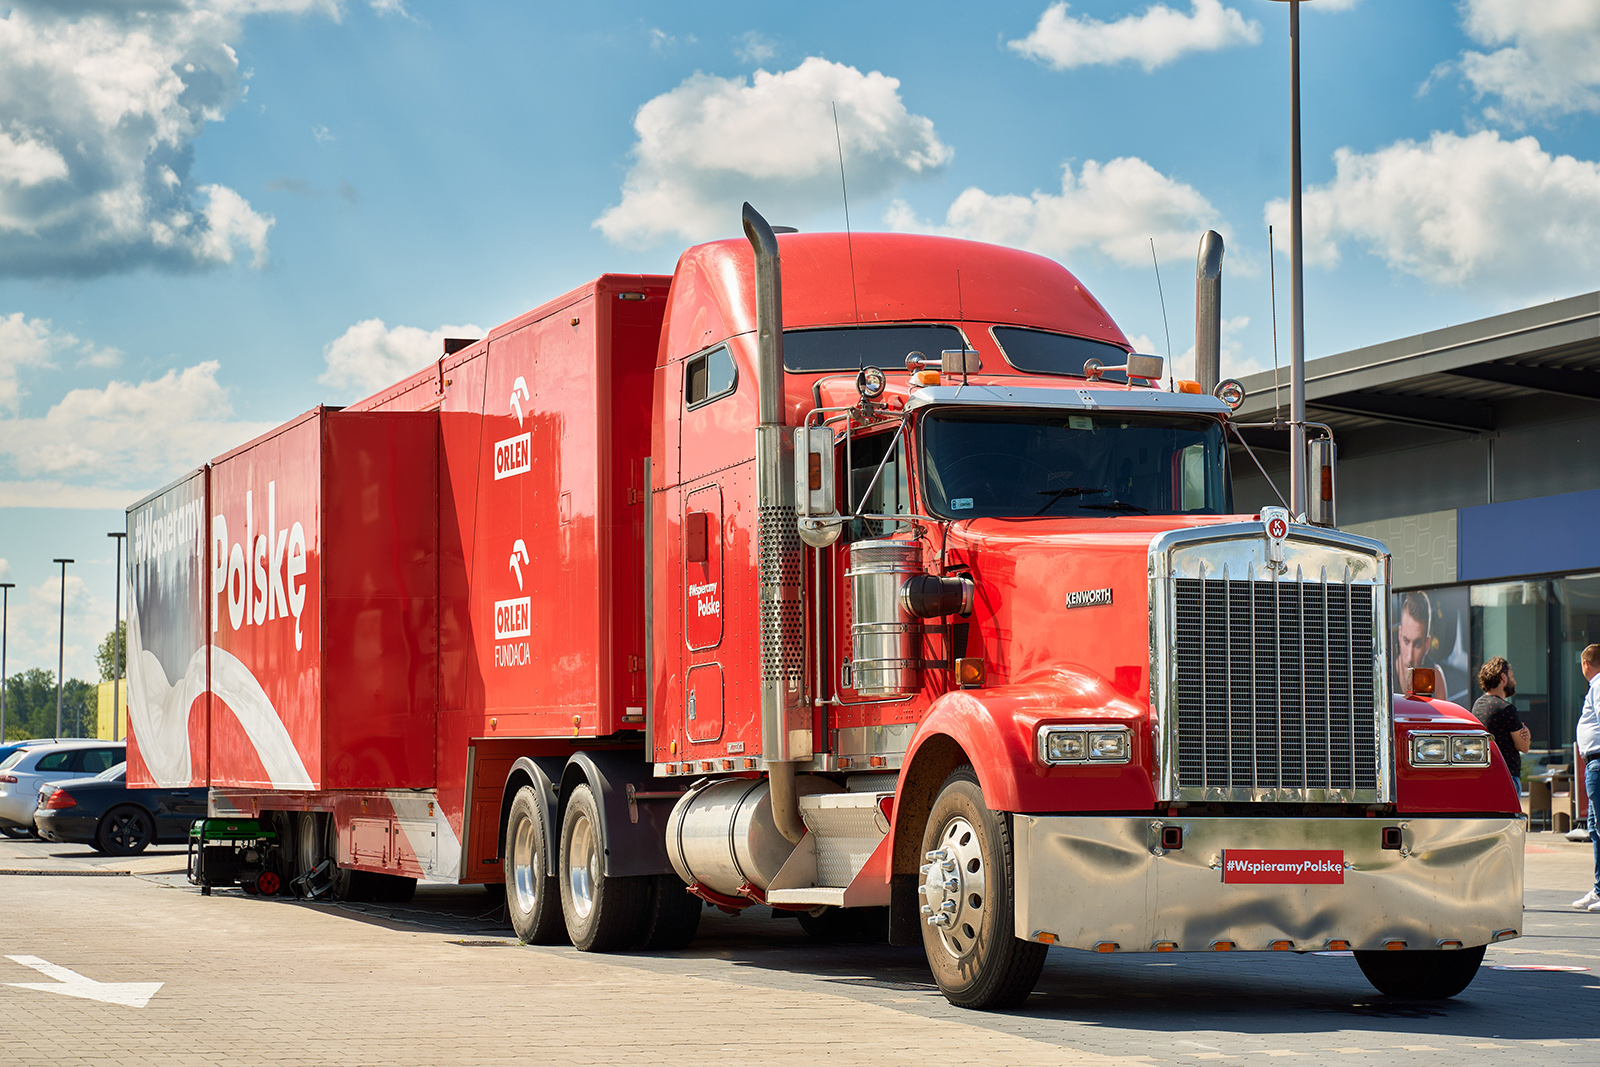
(973,951)
(603,913)
(1426,975)
(126,830)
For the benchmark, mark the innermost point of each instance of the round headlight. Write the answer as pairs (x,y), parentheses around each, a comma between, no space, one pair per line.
(871,382)
(1230,392)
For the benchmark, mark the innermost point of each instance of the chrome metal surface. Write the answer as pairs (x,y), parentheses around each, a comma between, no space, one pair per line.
(1097,399)
(1268,666)
(1208,311)
(884,637)
(1321,454)
(1087,735)
(583,872)
(526,865)
(769,317)
(723,834)
(1088,880)
(848,828)
(865,742)
(785,709)
(955,889)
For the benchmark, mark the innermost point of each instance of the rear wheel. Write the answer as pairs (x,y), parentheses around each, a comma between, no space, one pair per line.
(125,830)
(972,947)
(533,899)
(603,913)
(1428,975)
(674,914)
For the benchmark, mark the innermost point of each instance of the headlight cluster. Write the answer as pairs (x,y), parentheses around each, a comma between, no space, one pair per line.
(1467,748)
(1084,744)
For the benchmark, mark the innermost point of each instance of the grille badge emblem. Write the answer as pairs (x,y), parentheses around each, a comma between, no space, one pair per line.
(1276,523)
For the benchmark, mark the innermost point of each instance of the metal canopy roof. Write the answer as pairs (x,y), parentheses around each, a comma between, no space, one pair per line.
(1449,380)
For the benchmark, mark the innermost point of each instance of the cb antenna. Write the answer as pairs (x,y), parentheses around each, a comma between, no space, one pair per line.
(849,243)
(1170,368)
(1272,275)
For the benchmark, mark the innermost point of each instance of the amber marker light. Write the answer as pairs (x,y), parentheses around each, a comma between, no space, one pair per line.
(1338,946)
(1283,946)
(1394,946)
(1422,681)
(969,672)
(1222,946)
(1166,946)
(1045,937)
(1183,385)
(877,761)
(925,377)
(1105,946)
(1449,944)
(749,763)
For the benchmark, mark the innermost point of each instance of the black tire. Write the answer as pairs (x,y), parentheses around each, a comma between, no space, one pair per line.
(1423,975)
(976,957)
(125,830)
(602,913)
(852,926)
(674,914)
(14,831)
(533,899)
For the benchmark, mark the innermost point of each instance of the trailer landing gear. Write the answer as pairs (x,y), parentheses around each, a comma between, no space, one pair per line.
(975,955)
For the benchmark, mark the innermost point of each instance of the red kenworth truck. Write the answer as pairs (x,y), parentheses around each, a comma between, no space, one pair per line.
(894,592)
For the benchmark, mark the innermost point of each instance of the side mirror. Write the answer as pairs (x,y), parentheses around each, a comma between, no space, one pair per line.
(815,489)
(1319,459)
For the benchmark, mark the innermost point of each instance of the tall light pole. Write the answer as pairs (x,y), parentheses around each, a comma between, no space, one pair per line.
(61,649)
(5,612)
(116,637)
(1298,501)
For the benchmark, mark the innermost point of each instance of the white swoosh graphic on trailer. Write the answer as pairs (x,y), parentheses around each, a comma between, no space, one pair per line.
(232,681)
(158,710)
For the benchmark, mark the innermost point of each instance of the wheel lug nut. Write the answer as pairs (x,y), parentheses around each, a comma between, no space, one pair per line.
(924,869)
(936,854)
(927,909)
(951,885)
(949,905)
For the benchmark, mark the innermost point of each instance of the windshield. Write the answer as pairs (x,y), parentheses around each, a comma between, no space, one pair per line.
(866,346)
(1004,464)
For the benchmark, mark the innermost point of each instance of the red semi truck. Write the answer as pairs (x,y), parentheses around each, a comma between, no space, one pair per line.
(872,579)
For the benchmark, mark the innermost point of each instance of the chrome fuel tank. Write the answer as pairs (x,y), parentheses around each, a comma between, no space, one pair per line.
(723,837)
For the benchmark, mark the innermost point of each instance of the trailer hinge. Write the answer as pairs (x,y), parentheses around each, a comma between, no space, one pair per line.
(635,496)
(635,663)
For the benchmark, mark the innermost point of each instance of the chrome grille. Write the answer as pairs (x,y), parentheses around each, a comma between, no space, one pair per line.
(1275,689)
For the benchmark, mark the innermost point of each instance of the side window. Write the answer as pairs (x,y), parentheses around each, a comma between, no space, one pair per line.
(96,760)
(709,376)
(1192,468)
(889,495)
(56,761)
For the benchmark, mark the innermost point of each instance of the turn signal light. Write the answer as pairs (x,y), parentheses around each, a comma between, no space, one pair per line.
(1394,946)
(1183,385)
(60,799)
(1422,680)
(969,672)
(1283,946)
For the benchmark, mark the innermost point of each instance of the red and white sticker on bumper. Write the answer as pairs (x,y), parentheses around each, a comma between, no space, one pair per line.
(1283,866)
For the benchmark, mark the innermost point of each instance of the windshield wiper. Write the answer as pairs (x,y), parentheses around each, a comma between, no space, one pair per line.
(1116,505)
(1057,495)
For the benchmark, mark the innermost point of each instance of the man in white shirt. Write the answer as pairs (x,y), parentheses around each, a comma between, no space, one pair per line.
(1589,748)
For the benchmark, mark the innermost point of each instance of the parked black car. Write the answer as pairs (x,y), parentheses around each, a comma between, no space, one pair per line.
(104,813)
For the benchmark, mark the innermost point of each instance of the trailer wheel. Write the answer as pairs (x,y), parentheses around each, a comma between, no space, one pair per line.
(1426,975)
(603,914)
(972,948)
(674,914)
(532,898)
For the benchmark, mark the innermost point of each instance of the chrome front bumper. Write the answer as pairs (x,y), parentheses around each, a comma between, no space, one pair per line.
(1089,882)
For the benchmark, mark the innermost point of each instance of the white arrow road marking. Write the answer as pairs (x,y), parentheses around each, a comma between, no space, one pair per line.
(73,984)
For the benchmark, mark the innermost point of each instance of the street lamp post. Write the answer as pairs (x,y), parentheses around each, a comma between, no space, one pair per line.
(61,649)
(116,639)
(5,612)
(1298,502)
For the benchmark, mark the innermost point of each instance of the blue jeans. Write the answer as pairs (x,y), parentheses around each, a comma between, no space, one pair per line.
(1591,783)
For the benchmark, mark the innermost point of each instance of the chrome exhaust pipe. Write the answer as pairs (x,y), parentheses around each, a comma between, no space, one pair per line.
(785,703)
(1208,312)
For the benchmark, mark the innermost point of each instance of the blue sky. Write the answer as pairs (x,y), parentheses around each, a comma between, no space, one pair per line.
(217,213)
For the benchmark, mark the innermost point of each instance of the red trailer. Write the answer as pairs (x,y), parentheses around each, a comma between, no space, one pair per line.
(880,583)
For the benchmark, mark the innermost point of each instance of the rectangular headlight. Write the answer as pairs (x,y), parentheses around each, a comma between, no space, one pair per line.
(1109,745)
(1429,750)
(1064,746)
(1472,750)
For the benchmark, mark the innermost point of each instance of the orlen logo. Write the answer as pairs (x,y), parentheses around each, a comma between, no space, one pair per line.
(513,456)
(512,618)
(264,575)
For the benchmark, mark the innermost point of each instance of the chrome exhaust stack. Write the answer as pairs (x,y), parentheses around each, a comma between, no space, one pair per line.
(785,704)
(1208,312)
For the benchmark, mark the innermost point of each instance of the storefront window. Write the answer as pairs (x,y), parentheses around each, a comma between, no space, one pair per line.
(1428,628)
(1577,622)
(1512,619)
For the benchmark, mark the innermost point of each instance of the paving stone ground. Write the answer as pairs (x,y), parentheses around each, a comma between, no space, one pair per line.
(441,981)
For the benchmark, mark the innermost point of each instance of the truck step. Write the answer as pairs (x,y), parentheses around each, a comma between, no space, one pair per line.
(847,833)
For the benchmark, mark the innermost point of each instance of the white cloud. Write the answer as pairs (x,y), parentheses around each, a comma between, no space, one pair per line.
(1550,62)
(712,142)
(100,446)
(30,343)
(321,135)
(1462,211)
(1153,39)
(100,107)
(755,47)
(1113,208)
(369,356)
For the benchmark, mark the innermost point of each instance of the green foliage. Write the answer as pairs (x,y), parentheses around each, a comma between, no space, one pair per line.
(104,655)
(31,706)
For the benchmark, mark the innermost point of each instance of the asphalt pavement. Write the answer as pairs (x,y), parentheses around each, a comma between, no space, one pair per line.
(151,972)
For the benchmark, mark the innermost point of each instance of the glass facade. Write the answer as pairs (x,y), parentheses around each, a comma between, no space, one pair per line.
(1540,625)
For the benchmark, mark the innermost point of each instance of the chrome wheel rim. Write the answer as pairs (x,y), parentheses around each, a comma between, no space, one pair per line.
(955,896)
(583,861)
(525,864)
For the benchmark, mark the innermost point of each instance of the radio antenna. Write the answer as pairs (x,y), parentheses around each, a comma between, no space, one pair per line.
(1170,368)
(961,314)
(1272,275)
(849,242)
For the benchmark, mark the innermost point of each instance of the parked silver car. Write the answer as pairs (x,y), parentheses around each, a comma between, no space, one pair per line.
(26,769)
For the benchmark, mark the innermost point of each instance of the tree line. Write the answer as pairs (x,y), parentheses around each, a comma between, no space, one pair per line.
(31,696)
